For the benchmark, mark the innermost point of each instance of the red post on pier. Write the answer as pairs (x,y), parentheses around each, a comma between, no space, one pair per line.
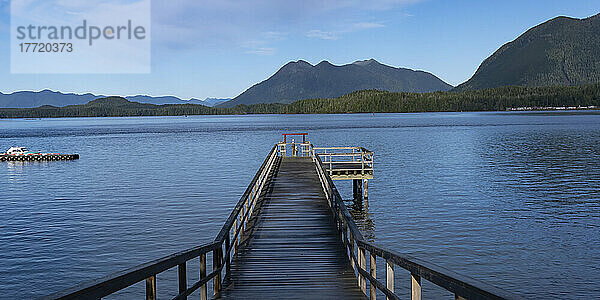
(303,134)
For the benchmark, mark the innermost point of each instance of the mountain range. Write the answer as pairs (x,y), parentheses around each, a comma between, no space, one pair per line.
(300,80)
(174,100)
(561,51)
(25,99)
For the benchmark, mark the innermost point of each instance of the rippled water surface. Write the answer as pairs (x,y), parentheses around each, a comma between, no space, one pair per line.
(512,199)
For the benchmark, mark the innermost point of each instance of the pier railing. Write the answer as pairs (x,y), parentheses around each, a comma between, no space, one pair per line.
(294,149)
(227,241)
(221,249)
(339,161)
(357,249)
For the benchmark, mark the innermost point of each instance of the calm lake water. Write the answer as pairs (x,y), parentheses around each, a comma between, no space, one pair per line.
(512,199)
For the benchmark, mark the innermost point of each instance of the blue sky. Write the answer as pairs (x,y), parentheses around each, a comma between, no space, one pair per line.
(219,48)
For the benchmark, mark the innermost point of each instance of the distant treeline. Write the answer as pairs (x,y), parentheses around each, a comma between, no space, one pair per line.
(120,107)
(496,99)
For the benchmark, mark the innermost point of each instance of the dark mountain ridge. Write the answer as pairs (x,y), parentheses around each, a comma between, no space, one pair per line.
(561,51)
(301,80)
(29,99)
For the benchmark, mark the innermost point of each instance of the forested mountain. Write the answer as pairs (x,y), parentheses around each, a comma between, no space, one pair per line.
(174,100)
(561,51)
(494,99)
(367,101)
(301,80)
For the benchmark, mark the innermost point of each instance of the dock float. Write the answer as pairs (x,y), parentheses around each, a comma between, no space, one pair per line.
(38,157)
(291,236)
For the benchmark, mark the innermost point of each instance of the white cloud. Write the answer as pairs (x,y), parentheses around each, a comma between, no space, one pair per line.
(324,35)
(335,34)
(275,35)
(367,25)
(226,23)
(258,47)
(262,51)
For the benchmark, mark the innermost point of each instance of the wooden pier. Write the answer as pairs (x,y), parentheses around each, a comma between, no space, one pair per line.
(291,236)
(38,157)
(292,246)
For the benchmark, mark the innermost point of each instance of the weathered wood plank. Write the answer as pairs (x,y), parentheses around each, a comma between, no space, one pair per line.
(151,288)
(203,288)
(415,283)
(389,274)
(294,250)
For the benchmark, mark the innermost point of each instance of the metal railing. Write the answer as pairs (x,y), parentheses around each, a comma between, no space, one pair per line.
(357,248)
(222,249)
(343,159)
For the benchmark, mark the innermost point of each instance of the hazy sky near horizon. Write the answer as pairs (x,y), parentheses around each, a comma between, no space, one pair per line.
(219,48)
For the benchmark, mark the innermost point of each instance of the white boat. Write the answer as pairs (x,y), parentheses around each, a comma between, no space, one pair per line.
(17,151)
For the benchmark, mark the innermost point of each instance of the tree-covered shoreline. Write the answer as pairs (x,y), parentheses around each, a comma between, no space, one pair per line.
(366,101)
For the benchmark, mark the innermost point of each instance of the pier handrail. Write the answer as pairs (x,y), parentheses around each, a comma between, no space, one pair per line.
(227,242)
(115,282)
(226,238)
(461,286)
(306,148)
(360,159)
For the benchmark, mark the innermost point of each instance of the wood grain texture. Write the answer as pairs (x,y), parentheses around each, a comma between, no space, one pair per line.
(292,249)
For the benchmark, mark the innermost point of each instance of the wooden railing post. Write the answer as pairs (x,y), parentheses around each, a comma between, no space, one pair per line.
(151,288)
(250,199)
(362,263)
(415,286)
(373,272)
(227,257)
(242,220)
(236,236)
(345,234)
(216,266)
(246,210)
(389,274)
(352,262)
(182,278)
(203,288)
(362,162)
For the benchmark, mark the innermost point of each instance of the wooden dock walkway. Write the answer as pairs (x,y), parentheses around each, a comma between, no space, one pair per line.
(293,248)
(291,236)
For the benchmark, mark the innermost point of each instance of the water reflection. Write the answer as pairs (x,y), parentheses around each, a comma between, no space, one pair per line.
(362,217)
(15,169)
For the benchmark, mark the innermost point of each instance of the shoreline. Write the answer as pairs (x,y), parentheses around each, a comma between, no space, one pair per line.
(594,111)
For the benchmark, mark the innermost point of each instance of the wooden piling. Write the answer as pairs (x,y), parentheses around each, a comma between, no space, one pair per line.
(203,288)
(151,288)
(415,287)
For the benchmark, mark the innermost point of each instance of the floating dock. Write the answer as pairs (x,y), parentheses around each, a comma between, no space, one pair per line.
(291,236)
(38,157)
